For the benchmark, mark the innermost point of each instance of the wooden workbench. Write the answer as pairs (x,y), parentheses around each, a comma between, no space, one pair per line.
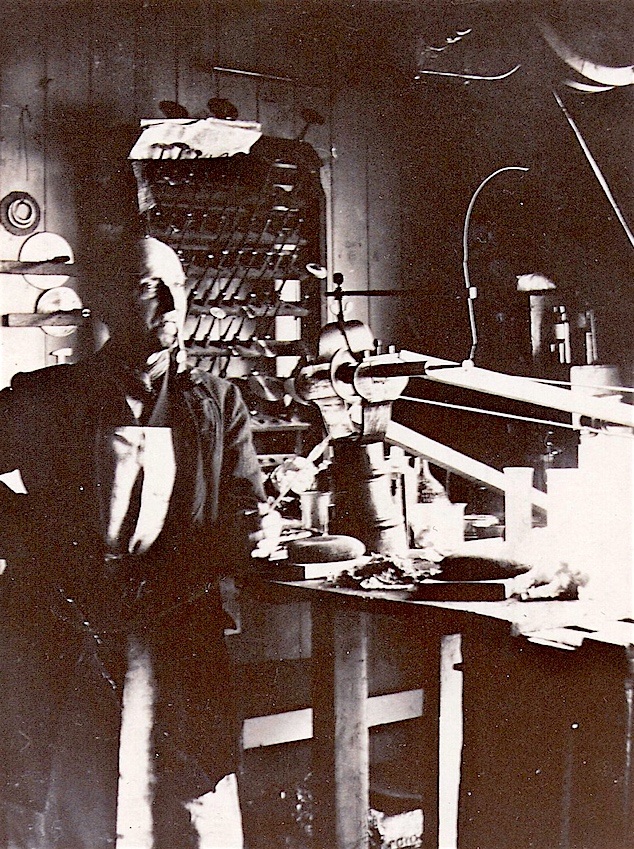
(543,706)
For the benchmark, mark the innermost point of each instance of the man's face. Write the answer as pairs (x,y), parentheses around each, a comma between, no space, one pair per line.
(160,297)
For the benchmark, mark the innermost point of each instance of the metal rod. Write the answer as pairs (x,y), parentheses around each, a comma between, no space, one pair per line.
(417,444)
(613,434)
(259,76)
(524,389)
(370,293)
(56,266)
(595,168)
(514,387)
(466,76)
(60,318)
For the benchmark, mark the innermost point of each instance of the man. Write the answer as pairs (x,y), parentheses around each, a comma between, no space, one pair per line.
(142,487)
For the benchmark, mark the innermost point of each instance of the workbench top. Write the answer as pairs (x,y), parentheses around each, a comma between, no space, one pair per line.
(564,624)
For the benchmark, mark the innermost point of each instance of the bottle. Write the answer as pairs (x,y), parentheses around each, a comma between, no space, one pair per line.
(429,487)
(436,525)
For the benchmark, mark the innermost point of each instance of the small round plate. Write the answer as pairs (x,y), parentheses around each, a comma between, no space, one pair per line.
(53,300)
(44,247)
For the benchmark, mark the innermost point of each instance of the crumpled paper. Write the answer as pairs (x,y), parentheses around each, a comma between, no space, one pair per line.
(191,138)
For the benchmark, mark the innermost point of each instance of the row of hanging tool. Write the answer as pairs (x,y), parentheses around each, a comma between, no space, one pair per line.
(246,227)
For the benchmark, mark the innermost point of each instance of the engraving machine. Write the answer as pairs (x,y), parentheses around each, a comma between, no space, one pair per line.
(354,386)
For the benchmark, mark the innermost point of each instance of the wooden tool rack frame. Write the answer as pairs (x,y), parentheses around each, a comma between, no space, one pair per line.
(245,227)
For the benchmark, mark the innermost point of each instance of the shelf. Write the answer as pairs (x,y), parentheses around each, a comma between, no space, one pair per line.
(61,318)
(268,424)
(251,309)
(50,267)
(249,349)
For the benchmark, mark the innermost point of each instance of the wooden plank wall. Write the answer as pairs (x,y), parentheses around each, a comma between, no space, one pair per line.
(75,78)
(22,96)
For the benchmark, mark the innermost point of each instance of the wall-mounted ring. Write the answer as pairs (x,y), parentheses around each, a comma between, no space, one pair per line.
(19,213)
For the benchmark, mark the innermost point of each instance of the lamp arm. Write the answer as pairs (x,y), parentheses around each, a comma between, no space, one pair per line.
(471,291)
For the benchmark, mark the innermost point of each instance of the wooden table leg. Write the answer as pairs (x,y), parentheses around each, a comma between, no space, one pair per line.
(340,733)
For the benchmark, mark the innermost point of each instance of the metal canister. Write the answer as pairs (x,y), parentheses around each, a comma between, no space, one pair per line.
(366,503)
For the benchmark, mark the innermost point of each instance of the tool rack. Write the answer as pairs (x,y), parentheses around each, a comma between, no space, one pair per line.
(246,227)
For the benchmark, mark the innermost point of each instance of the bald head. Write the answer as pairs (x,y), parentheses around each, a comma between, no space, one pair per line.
(160,261)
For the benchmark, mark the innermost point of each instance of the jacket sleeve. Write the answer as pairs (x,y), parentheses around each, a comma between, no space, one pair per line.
(9,430)
(14,513)
(241,487)
(32,409)
(241,479)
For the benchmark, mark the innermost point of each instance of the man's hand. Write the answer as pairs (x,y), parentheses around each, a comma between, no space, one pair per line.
(266,539)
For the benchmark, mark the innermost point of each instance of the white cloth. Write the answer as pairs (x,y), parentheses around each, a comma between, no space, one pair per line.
(130,454)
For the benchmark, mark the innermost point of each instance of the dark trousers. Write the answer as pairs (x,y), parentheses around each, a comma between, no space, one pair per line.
(59,729)
(60,716)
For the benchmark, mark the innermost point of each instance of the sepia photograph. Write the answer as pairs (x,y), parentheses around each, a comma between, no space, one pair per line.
(317,424)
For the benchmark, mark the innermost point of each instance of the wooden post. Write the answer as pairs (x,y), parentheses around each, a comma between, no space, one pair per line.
(340,733)
(450,733)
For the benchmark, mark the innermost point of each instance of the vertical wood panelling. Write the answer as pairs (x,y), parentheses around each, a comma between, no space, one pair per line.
(239,89)
(237,49)
(68,69)
(23,86)
(22,169)
(68,66)
(195,46)
(277,107)
(106,199)
(349,197)
(156,73)
(278,100)
(383,217)
(89,71)
(317,135)
(113,63)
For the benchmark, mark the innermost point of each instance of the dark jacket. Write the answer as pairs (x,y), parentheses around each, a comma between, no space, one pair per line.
(52,539)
